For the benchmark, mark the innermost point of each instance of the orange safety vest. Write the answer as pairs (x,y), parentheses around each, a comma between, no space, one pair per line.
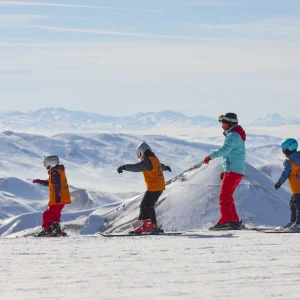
(294,178)
(64,190)
(154,179)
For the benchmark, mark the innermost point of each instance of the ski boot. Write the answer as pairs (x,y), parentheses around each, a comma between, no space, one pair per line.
(45,232)
(146,226)
(294,227)
(228,226)
(57,230)
(156,229)
(286,227)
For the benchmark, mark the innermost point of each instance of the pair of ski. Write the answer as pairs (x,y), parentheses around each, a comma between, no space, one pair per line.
(257,229)
(173,233)
(177,233)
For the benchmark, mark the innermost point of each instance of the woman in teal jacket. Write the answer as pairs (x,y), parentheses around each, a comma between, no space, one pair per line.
(233,155)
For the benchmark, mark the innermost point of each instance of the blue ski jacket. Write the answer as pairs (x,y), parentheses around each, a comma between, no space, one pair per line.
(287,167)
(233,152)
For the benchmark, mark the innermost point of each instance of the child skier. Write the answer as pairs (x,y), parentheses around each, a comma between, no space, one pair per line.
(291,172)
(233,162)
(59,195)
(152,170)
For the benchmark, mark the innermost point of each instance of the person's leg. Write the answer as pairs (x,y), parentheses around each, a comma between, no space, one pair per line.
(293,210)
(49,216)
(227,206)
(147,210)
(296,198)
(58,211)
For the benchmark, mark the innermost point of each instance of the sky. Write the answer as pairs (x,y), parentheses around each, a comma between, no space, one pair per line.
(199,57)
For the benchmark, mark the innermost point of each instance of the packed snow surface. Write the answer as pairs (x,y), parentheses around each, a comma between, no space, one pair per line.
(200,265)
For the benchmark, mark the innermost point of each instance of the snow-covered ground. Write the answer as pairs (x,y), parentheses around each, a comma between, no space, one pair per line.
(202,265)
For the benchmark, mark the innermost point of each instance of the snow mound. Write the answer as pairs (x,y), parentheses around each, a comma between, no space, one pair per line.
(20,197)
(272,170)
(22,189)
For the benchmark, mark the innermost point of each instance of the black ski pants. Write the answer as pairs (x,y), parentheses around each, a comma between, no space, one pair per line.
(147,210)
(295,208)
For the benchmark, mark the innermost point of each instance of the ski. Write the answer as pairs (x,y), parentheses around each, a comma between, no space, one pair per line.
(49,236)
(279,231)
(53,234)
(142,234)
(238,229)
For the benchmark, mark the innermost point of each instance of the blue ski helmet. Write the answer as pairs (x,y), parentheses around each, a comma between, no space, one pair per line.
(289,144)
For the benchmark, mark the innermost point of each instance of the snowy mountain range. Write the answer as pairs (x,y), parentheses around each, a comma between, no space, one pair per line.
(62,120)
(91,159)
(275,120)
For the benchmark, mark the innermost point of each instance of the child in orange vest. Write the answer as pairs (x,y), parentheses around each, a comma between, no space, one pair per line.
(292,173)
(152,170)
(59,195)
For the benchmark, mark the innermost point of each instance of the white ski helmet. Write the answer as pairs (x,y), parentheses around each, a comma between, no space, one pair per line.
(50,161)
(141,149)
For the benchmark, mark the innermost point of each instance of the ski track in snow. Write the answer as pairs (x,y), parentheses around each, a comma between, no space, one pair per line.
(202,265)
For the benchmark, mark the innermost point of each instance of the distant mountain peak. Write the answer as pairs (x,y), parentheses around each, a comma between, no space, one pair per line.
(275,119)
(63,120)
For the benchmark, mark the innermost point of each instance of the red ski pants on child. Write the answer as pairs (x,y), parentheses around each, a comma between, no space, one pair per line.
(227,207)
(52,214)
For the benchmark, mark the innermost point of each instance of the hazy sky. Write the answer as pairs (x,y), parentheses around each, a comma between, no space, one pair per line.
(117,57)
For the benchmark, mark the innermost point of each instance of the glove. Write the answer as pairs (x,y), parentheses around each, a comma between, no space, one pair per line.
(167,168)
(207,159)
(38,181)
(222,175)
(121,169)
(277,185)
(57,199)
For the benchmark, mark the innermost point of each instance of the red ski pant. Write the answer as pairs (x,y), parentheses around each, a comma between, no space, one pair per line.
(52,214)
(227,207)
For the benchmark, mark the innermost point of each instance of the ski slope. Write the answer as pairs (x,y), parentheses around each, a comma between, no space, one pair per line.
(201,265)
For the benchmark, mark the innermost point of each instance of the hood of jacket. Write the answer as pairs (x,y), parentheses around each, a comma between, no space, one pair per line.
(238,129)
(295,157)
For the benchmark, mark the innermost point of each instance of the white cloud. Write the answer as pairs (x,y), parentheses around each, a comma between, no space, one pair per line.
(45,4)
(109,32)
(273,27)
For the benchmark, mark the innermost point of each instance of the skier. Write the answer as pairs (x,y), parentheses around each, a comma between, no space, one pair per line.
(291,172)
(152,170)
(233,163)
(59,195)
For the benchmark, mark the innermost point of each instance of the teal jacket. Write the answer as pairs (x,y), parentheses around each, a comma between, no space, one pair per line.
(233,152)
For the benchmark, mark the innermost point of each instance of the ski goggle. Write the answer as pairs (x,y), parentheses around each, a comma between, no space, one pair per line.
(220,118)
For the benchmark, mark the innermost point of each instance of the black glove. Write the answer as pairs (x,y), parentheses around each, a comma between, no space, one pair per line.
(277,185)
(121,169)
(57,199)
(167,168)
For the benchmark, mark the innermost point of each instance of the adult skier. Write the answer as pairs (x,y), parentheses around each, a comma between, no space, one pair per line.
(59,195)
(233,164)
(291,171)
(152,170)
